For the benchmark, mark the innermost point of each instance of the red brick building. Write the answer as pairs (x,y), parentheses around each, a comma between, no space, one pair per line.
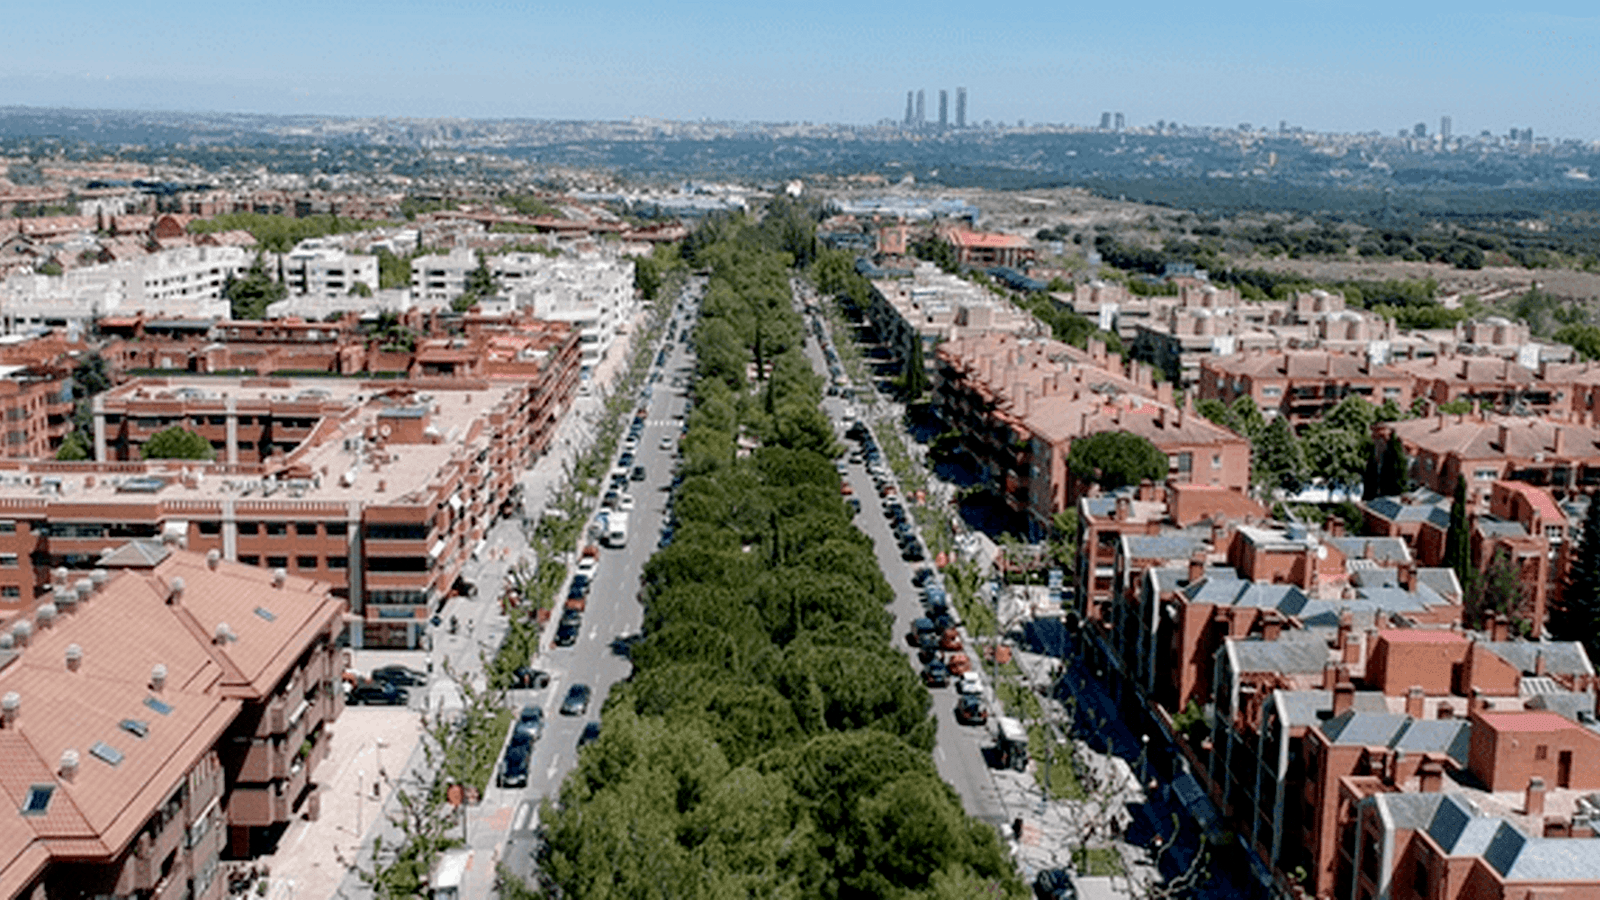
(1301,384)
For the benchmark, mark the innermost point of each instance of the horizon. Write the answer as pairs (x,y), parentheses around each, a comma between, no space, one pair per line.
(1371,68)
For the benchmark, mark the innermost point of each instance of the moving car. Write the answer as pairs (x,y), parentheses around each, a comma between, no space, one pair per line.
(531,720)
(377,693)
(514,766)
(400,676)
(970,711)
(577,700)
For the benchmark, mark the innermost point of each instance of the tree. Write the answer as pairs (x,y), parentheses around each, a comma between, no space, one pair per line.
(916,375)
(1498,592)
(1112,459)
(73,448)
(360,289)
(1458,539)
(1577,618)
(1393,469)
(177,442)
(1279,459)
(249,297)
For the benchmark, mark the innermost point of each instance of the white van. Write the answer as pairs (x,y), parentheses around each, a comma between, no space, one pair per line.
(450,874)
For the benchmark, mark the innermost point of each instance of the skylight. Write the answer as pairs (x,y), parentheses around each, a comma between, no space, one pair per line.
(38,799)
(139,728)
(158,705)
(265,613)
(106,753)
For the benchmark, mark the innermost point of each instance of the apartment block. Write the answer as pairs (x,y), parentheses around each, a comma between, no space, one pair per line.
(931,307)
(185,282)
(160,712)
(1301,385)
(1497,384)
(1562,456)
(317,269)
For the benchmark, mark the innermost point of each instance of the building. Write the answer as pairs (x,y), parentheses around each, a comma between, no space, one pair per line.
(931,307)
(186,281)
(1561,456)
(985,250)
(944,109)
(1302,385)
(317,269)
(381,489)
(961,107)
(1492,383)
(164,710)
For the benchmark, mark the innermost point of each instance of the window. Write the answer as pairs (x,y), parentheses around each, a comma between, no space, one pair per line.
(277,529)
(211,528)
(305,562)
(1216,460)
(305,529)
(249,527)
(8,527)
(38,799)
(1541,752)
(1484,474)
(1391,393)
(337,529)
(8,560)
(338,562)
(1272,391)
(277,562)
(106,753)
(249,559)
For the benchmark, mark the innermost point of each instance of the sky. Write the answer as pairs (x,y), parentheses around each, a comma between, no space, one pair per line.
(1353,66)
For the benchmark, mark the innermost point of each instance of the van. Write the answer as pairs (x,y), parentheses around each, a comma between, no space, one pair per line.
(450,874)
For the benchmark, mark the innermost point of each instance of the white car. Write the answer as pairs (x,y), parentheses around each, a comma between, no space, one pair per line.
(588,565)
(625,503)
(666,444)
(969,683)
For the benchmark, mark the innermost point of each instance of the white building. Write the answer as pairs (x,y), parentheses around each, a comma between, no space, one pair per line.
(441,279)
(593,293)
(315,268)
(185,282)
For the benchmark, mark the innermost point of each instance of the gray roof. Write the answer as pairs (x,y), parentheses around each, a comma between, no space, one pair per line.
(135,554)
(1384,549)
(1288,654)
(1422,509)
(1521,858)
(1401,732)
(1458,832)
(1496,528)
(1575,706)
(1367,729)
(1162,546)
(1449,736)
(1100,507)
(1311,707)
(1410,811)
(1228,589)
(1560,657)
(1442,581)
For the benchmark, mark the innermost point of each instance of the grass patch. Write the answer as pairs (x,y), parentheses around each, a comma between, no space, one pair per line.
(1063,781)
(1097,861)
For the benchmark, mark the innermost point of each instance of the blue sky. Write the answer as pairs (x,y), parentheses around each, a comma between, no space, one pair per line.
(1352,66)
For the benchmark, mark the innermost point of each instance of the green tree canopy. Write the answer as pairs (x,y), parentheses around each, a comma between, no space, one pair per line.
(1278,457)
(177,442)
(1577,618)
(1112,459)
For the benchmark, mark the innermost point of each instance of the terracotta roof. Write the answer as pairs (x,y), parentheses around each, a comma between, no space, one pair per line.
(1473,438)
(1420,636)
(1531,720)
(1300,365)
(1540,500)
(986,239)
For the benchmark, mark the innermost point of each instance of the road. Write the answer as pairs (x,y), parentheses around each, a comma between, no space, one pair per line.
(613,611)
(959,751)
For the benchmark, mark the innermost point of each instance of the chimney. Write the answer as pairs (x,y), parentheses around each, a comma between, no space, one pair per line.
(1533,804)
(1330,675)
(1197,567)
(1124,509)
(175,590)
(1499,627)
(1344,696)
(1505,437)
(1271,625)
(1538,663)
(1431,776)
(1335,526)
(1476,703)
(1345,621)
(158,677)
(1414,697)
(1447,711)
(74,657)
(213,558)
(69,765)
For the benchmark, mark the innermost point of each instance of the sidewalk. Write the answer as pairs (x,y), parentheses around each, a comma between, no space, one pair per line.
(372,750)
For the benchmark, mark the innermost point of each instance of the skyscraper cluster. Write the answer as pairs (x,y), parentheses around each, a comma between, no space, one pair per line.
(917,109)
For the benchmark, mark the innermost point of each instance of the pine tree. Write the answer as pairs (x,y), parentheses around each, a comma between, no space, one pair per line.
(1497,592)
(1278,456)
(1458,540)
(1577,617)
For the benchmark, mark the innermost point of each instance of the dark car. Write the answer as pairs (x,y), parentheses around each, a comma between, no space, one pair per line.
(912,551)
(923,575)
(525,677)
(531,720)
(378,693)
(400,676)
(1054,884)
(638,473)
(514,767)
(577,700)
(567,632)
(936,674)
(970,711)
(591,733)
(579,589)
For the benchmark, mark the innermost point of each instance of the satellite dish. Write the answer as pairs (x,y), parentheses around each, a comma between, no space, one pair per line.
(384,430)
(1322,551)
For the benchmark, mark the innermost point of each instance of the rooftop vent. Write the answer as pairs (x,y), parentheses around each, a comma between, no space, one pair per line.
(69,764)
(98,578)
(84,586)
(279,576)
(46,615)
(158,677)
(10,705)
(176,587)
(213,557)
(74,657)
(224,633)
(7,641)
(59,575)
(21,631)
(66,601)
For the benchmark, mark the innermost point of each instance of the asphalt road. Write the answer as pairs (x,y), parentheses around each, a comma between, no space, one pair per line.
(613,611)
(958,753)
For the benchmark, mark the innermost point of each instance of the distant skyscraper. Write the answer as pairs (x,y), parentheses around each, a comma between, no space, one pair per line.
(1444,128)
(909,95)
(1105,121)
(961,107)
(1283,126)
(944,108)
(1120,122)
(922,108)
(1419,130)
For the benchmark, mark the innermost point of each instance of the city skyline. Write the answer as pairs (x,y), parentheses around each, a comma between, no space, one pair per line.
(1489,69)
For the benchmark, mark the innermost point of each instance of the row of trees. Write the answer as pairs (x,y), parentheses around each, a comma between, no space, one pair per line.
(770,741)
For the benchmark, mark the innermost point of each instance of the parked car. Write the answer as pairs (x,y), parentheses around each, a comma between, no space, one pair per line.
(531,720)
(525,677)
(912,551)
(378,693)
(400,676)
(1054,884)
(577,700)
(638,473)
(935,674)
(969,683)
(591,733)
(514,766)
(569,626)
(970,711)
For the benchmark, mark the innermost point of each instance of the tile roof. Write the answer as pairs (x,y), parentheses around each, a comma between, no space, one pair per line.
(1410,811)
(1560,657)
(1290,654)
(1384,549)
(1475,439)
(1306,364)
(1162,546)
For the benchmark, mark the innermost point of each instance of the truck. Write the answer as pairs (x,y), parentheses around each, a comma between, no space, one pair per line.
(1011,743)
(616,533)
(449,874)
